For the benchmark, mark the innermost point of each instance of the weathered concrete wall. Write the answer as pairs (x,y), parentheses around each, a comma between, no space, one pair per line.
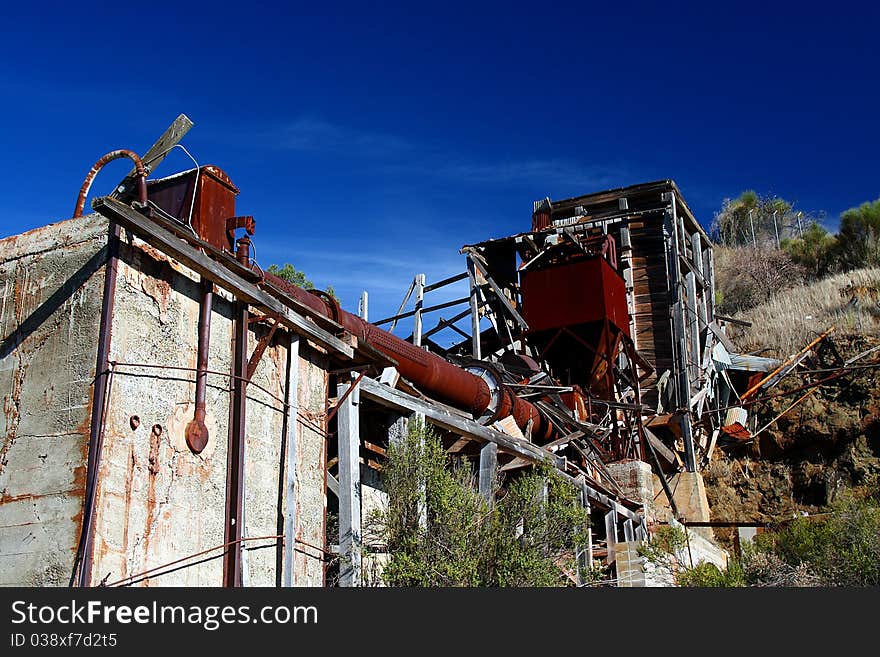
(311,459)
(51,281)
(156,501)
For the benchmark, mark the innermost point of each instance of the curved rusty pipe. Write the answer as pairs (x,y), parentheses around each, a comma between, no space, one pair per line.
(109,157)
(433,374)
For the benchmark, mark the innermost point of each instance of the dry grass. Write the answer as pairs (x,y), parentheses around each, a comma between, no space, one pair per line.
(792,318)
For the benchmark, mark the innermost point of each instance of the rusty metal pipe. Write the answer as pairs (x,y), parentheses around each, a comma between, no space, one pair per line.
(93,172)
(96,420)
(433,374)
(196,431)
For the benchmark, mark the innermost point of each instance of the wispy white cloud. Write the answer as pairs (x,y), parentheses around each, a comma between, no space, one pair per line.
(313,135)
(397,155)
(558,171)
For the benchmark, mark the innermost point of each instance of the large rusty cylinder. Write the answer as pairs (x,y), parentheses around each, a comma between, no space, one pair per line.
(434,375)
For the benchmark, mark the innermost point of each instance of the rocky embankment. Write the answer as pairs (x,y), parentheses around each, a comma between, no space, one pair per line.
(826,445)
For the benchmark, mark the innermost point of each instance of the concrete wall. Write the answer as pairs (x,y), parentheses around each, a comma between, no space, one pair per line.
(156,501)
(311,460)
(51,282)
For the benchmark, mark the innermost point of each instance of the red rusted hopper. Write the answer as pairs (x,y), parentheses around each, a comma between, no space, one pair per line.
(577,312)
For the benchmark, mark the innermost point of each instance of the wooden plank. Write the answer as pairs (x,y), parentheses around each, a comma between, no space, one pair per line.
(660,447)
(376,449)
(412,286)
(610,535)
(348,439)
(172,246)
(153,157)
(488,471)
(722,338)
(515,464)
(446,281)
(291,395)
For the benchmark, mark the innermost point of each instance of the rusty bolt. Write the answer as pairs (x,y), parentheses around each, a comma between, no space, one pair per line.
(134,421)
(157,429)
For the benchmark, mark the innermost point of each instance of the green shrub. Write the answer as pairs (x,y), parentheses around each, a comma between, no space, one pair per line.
(707,574)
(440,531)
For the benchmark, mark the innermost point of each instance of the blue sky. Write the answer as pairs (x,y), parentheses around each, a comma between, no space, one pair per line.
(371,143)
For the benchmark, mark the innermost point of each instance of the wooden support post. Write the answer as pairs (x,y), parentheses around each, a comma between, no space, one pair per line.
(700,262)
(488,471)
(348,435)
(709,276)
(397,430)
(679,333)
(291,397)
(417,318)
(629,534)
(475,309)
(364,306)
(585,555)
(610,535)
(693,329)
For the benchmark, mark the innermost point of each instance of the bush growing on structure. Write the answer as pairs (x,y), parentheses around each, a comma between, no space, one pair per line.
(293,275)
(439,531)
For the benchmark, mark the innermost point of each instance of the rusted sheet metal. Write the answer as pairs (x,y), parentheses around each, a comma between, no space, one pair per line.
(574,293)
(203,198)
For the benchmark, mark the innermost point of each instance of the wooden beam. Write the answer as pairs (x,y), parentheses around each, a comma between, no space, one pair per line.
(348,437)
(476,259)
(412,286)
(446,281)
(659,447)
(153,157)
(291,394)
(488,471)
(172,246)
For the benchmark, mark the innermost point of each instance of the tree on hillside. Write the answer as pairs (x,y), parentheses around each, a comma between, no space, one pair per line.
(752,219)
(816,251)
(859,235)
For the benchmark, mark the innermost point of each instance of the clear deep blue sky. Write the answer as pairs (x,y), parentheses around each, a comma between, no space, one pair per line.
(371,143)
